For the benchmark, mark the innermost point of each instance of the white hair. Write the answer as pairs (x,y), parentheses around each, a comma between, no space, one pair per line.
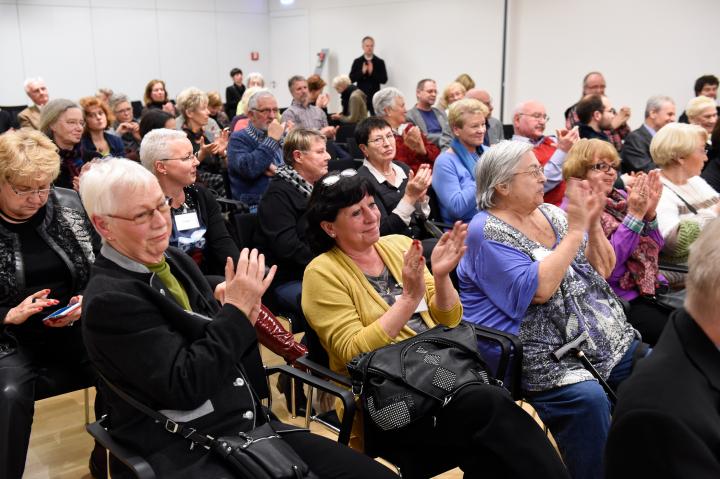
(655,103)
(117,98)
(110,183)
(253,102)
(341,80)
(255,76)
(385,98)
(496,167)
(30,81)
(155,146)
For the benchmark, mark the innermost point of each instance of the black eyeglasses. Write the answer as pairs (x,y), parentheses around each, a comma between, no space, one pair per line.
(265,111)
(147,215)
(334,178)
(604,167)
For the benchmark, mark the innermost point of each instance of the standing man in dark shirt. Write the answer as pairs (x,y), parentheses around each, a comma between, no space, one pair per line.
(368,71)
(234,92)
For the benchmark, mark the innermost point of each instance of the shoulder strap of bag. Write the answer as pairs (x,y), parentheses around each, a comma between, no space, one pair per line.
(170,426)
(692,209)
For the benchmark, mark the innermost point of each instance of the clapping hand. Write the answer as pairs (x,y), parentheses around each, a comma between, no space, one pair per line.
(413,139)
(418,184)
(245,284)
(449,250)
(413,273)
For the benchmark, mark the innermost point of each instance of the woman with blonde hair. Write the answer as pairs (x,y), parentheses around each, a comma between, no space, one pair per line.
(702,111)
(156,97)
(466,80)
(453,92)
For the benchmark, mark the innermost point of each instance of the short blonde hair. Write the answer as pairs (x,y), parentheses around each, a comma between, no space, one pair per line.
(341,81)
(466,80)
(445,99)
(214,100)
(676,140)
(696,106)
(28,155)
(191,99)
(465,106)
(299,139)
(582,156)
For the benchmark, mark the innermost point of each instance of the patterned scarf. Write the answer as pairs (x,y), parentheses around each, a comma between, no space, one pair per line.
(642,265)
(289,174)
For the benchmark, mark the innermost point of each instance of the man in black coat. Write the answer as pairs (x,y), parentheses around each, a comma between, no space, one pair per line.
(659,111)
(368,71)
(667,420)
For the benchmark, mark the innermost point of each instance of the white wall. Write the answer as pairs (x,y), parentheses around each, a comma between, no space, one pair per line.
(78,46)
(643,47)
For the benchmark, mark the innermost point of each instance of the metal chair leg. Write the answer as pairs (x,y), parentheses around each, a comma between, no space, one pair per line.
(86,395)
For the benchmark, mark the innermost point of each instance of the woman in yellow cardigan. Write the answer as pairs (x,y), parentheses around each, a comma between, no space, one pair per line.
(363,292)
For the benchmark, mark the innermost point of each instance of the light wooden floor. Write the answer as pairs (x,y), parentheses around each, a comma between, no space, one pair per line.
(60,447)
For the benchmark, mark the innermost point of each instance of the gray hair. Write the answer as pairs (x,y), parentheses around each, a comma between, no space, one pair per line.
(155,146)
(703,279)
(385,98)
(110,182)
(116,99)
(255,76)
(253,102)
(496,167)
(295,78)
(341,80)
(52,111)
(655,103)
(191,99)
(30,81)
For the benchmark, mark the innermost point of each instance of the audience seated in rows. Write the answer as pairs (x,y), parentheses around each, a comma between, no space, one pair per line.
(343,85)
(454,170)
(494,126)
(37,91)
(303,114)
(659,111)
(160,348)
(618,129)
(629,221)
(529,121)
(432,121)
(595,116)
(353,299)
(47,249)
(533,271)
(666,423)
(400,195)
(412,147)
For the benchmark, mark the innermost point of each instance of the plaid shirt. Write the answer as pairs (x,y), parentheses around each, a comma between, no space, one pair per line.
(616,136)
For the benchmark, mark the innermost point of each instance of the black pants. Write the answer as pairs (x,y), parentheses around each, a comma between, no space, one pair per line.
(57,365)
(649,318)
(482,431)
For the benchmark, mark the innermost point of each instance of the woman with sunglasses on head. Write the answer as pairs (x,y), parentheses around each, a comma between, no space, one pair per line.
(46,251)
(630,224)
(365,291)
(534,271)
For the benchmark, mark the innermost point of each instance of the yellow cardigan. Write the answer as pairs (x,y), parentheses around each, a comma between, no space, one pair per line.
(342,306)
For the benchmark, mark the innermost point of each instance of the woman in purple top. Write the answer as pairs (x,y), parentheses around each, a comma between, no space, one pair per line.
(629,222)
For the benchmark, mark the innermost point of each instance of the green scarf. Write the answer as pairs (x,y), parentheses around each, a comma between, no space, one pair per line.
(162,270)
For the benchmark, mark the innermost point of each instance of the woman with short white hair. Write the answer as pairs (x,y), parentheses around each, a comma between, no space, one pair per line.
(702,111)
(156,329)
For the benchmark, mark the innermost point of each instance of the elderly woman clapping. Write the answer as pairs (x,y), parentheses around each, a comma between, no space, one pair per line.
(630,224)
(534,271)
(155,329)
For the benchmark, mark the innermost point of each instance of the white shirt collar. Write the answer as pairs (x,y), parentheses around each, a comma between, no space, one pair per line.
(399,173)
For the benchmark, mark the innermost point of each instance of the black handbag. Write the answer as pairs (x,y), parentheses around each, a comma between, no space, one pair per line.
(413,379)
(257,454)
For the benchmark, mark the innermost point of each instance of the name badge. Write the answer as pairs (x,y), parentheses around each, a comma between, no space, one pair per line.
(187,221)
(421,307)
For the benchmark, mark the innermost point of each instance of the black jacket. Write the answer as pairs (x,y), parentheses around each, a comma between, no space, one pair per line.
(369,84)
(282,220)
(195,363)
(667,420)
(233,95)
(636,151)
(585,131)
(387,198)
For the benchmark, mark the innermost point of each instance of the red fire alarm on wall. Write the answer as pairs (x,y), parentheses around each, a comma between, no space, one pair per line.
(254,56)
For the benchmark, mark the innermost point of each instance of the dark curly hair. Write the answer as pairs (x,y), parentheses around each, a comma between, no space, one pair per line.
(325,203)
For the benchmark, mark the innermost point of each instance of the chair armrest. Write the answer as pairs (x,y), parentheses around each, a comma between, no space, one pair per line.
(509,367)
(323,372)
(137,464)
(675,268)
(344,394)
(228,205)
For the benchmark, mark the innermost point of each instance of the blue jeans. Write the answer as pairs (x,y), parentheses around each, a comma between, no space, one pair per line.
(578,416)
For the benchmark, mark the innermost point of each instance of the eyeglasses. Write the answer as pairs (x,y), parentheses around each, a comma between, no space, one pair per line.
(190,157)
(602,166)
(380,140)
(41,192)
(334,178)
(536,116)
(79,123)
(264,111)
(535,172)
(147,215)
